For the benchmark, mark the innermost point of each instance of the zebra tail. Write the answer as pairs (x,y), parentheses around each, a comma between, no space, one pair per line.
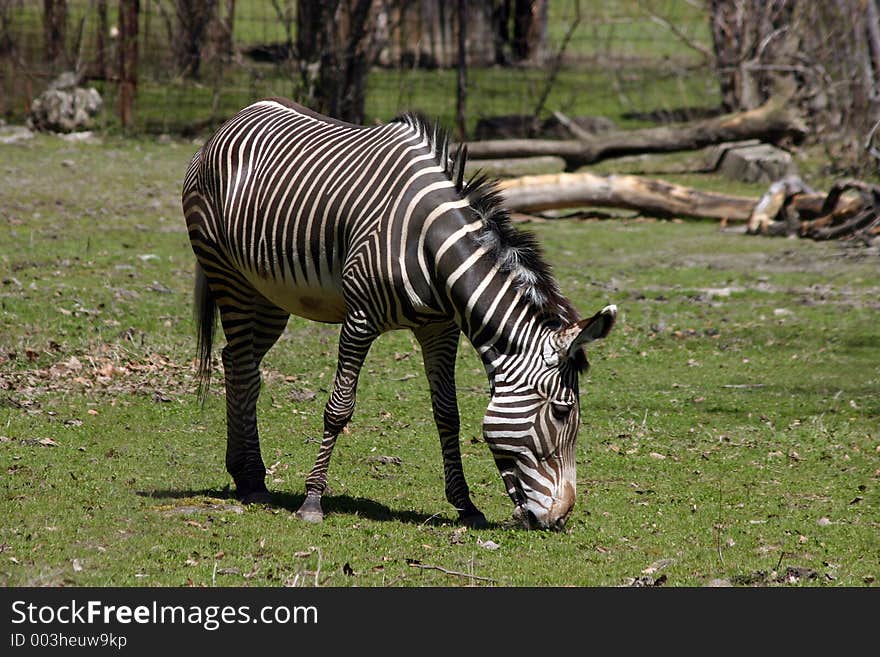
(205,315)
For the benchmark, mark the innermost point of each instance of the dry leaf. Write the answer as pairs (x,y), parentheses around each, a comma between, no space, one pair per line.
(302,395)
(457,535)
(657,565)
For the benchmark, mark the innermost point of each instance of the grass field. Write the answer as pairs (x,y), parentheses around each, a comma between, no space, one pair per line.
(729,423)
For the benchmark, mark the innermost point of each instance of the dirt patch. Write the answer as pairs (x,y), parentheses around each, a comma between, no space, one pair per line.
(200,508)
(105,370)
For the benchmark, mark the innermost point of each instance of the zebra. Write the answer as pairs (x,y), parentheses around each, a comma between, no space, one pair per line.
(375,228)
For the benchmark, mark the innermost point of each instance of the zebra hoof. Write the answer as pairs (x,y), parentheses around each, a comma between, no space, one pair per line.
(475,520)
(311,511)
(256,497)
(253,493)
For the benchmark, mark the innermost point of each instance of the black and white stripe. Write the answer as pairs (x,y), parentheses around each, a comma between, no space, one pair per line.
(374,228)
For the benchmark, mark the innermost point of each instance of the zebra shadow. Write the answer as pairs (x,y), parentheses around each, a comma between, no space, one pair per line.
(359,507)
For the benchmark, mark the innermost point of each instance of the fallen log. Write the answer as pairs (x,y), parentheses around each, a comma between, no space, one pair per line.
(519,166)
(850,210)
(772,122)
(653,197)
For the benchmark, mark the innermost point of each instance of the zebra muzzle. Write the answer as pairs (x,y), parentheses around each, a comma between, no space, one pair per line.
(525,518)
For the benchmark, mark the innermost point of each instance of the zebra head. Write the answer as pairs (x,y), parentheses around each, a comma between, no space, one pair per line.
(531,424)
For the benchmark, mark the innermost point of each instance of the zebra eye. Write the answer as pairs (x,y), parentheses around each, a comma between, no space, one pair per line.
(560,410)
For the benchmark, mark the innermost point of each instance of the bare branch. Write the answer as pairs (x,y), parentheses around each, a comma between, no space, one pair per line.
(684,38)
(576,131)
(557,62)
(426,566)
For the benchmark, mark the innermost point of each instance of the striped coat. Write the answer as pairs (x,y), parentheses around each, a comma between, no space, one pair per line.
(374,228)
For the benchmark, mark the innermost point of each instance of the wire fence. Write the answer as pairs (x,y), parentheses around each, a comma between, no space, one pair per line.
(630,61)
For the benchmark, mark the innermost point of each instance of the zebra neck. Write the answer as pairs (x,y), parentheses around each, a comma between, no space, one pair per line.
(490,306)
(493,305)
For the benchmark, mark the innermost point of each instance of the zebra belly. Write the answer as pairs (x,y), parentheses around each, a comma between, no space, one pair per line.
(316,302)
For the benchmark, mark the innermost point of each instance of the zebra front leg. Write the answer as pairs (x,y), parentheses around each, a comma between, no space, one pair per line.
(439,349)
(355,339)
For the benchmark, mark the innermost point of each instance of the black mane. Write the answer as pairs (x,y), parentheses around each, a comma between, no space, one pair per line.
(514,250)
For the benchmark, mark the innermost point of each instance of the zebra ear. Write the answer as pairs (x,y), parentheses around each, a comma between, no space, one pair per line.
(573,337)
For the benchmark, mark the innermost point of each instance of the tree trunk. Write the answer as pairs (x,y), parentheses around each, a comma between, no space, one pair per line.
(101,41)
(529,30)
(500,26)
(336,49)
(747,35)
(223,30)
(128,58)
(649,196)
(55,30)
(194,17)
(461,79)
(771,122)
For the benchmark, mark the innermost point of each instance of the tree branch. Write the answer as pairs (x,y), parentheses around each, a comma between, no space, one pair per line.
(684,38)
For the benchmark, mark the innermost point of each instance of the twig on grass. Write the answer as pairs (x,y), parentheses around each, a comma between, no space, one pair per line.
(446,571)
(430,518)
(779,563)
(718,527)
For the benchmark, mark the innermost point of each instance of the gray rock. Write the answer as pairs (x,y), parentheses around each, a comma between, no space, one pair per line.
(718,583)
(761,163)
(65,107)
(9,134)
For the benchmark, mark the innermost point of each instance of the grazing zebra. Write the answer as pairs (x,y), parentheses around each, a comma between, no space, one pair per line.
(375,228)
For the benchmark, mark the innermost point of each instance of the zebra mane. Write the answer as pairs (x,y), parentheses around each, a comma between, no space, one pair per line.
(515,251)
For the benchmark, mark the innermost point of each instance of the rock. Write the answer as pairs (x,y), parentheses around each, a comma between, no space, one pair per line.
(84,137)
(759,163)
(718,583)
(9,134)
(64,106)
(65,81)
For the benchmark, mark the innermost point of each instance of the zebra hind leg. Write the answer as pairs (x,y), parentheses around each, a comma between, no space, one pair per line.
(439,349)
(250,330)
(355,339)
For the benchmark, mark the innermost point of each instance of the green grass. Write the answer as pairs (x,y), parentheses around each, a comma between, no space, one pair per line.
(729,423)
